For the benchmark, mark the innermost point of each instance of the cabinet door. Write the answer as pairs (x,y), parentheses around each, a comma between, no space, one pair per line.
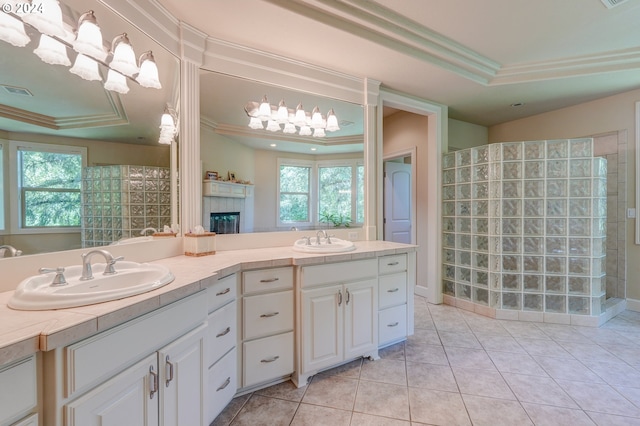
(360,318)
(182,380)
(129,398)
(322,333)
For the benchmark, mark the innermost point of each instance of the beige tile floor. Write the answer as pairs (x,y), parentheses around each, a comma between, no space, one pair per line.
(461,369)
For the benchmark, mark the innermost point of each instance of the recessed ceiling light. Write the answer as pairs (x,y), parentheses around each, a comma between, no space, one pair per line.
(21,91)
(313,149)
(517,104)
(273,145)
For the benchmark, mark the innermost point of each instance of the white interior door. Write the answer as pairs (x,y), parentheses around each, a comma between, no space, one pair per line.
(397,202)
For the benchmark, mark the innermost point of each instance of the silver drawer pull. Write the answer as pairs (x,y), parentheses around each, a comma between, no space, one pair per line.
(223,292)
(272,314)
(269,280)
(153,382)
(224,333)
(275,358)
(224,385)
(393,263)
(393,290)
(395,324)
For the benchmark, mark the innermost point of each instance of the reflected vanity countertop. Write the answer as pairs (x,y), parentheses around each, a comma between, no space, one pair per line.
(26,332)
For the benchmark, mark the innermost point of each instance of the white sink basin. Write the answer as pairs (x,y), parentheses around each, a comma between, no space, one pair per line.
(337,246)
(132,240)
(36,293)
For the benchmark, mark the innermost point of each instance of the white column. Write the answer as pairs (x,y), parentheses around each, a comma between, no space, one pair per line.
(373,162)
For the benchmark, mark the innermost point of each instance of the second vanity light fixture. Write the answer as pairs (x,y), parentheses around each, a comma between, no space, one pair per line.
(168,126)
(290,121)
(45,16)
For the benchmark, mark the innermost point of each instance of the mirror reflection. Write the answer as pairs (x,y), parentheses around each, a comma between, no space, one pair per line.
(81,165)
(265,179)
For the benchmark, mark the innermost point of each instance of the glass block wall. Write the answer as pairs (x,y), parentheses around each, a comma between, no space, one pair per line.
(120,201)
(524,226)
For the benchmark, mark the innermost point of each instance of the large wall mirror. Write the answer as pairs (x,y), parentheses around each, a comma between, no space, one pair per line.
(46,106)
(292,181)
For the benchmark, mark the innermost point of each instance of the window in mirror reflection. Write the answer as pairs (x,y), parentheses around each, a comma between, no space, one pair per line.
(2,193)
(49,185)
(338,199)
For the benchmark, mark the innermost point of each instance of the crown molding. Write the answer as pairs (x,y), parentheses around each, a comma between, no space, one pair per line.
(117,116)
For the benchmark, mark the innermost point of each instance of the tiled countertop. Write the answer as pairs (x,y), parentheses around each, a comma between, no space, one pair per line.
(25,332)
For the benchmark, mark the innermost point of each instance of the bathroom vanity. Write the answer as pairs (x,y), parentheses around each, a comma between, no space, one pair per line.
(229,324)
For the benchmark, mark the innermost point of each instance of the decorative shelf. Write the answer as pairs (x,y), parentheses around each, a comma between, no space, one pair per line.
(217,188)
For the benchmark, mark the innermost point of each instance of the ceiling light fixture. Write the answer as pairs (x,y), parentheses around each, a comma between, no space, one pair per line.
(290,121)
(56,36)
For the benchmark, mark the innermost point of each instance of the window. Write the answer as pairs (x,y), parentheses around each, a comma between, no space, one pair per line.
(339,186)
(2,191)
(295,187)
(48,182)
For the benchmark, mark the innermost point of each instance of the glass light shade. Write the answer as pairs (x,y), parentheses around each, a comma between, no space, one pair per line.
(283,113)
(273,126)
(167,121)
(116,82)
(165,141)
(316,118)
(49,21)
(148,75)
(52,51)
(319,133)
(264,111)
(12,30)
(124,59)
(289,128)
(332,121)
(89,38)
(305,131)
(255,123)
(301,116)
(86,68)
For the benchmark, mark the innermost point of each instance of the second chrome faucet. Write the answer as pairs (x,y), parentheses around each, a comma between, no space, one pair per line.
(87,273)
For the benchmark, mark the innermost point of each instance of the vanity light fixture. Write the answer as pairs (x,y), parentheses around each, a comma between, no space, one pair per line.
(290,121)
(124,59)
(168,127)
(51,51)
(148,75)
(45,16)
(89,37)
(86,68)
(12,29)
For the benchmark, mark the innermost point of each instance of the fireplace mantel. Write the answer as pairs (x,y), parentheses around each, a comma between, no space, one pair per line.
(217,188)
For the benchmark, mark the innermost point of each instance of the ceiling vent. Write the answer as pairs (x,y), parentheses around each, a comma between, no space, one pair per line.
(612,3)
(20,91)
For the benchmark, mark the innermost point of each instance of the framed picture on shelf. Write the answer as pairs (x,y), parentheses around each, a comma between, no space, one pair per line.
(211,175)
(232,176)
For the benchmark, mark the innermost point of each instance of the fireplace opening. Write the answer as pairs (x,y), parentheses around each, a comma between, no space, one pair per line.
(225,223)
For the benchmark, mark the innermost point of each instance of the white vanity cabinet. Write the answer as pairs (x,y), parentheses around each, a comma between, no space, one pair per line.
(148,371)
(18,392)
(338,312)
(222,337)
(267,325)
(393,304)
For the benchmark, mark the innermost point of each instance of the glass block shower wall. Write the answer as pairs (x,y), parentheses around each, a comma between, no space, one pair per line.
(524,226)
(120,201)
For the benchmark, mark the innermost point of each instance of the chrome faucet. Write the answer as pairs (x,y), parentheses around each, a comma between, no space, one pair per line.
(144,231)
(13,252)
(320,233)
(87,274)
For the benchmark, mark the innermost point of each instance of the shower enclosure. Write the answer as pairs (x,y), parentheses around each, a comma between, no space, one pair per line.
(524,228)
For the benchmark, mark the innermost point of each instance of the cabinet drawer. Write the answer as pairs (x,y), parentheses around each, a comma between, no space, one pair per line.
(267,314)
(222,292)
(222,332)
(223,384)
(338,272)
(18,393)
(392,290)
(391,264)
(267,358)
(392,324)
(267,279)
